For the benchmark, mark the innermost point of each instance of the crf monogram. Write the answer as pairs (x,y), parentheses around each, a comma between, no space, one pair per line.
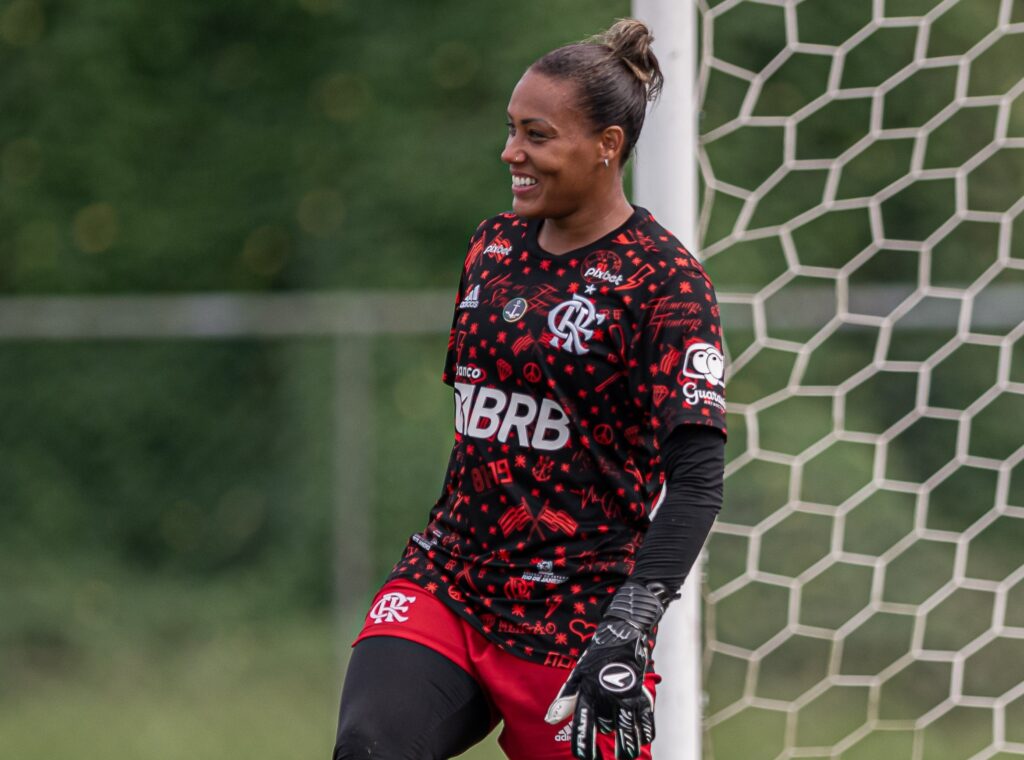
(570,323)
(392,608)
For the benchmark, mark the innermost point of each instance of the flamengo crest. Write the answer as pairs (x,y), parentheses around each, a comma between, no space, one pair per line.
(570,323)
(392,608)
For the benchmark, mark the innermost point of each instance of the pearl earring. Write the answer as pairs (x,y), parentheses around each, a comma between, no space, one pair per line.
(606,163)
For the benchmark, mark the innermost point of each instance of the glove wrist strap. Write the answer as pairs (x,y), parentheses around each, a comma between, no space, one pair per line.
(637,605)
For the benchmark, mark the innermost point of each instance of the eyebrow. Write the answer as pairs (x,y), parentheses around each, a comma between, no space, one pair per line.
(531,120)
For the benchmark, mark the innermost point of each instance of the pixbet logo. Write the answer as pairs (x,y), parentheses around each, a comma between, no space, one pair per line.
(484,412)
(602,266)
(570,323)
(393,607)
(498,248)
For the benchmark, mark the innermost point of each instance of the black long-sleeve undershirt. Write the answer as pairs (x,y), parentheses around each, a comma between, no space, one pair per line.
(694,460)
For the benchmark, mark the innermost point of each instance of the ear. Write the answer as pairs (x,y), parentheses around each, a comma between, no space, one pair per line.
(612,142)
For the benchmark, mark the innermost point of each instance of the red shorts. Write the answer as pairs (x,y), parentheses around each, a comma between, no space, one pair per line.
(519,691)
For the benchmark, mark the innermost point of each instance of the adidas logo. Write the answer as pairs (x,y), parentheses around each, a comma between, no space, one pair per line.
(472,299)
(565,734)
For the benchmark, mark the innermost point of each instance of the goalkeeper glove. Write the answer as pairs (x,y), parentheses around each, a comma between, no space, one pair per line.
(605,691)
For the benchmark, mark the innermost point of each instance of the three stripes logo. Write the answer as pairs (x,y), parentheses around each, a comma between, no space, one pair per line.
(472,299)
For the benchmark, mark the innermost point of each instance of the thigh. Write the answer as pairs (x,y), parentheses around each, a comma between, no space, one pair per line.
(404,701)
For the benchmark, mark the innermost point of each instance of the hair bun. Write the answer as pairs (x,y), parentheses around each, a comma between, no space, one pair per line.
(630,40)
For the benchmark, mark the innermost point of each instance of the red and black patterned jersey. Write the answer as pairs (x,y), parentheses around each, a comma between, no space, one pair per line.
(569,372)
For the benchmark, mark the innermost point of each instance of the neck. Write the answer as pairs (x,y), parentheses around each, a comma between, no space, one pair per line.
(589,223)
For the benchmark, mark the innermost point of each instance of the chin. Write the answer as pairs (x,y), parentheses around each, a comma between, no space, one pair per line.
(527,210)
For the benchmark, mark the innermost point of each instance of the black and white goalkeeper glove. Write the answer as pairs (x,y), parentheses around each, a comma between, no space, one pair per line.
(605,691)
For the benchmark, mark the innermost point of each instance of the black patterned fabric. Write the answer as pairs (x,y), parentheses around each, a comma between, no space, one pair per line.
(569,371)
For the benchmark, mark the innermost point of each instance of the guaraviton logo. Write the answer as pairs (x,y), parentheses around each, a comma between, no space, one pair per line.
(705,363)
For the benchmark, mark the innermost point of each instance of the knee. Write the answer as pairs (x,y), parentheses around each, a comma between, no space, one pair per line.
(372,741)
(355,743)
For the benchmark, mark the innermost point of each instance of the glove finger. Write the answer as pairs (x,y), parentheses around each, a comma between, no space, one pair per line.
(584,730)
(646,721)
(627,735)
(646,718)
(564,704)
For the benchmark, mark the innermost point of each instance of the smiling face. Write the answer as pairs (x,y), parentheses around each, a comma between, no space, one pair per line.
(556,156)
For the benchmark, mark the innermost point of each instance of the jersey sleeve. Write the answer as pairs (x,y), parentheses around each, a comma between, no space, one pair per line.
(677,370)
(473,251)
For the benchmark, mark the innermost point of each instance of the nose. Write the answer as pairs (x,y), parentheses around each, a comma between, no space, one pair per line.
(512,154)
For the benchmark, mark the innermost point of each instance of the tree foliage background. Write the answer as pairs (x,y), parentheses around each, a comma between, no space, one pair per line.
(165,506)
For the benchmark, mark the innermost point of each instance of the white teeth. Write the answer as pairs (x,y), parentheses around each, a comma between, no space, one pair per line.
(523,181)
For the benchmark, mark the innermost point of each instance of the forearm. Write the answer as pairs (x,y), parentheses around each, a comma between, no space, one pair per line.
(694,460)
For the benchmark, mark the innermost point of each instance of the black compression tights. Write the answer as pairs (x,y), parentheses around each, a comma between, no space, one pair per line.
(404,701)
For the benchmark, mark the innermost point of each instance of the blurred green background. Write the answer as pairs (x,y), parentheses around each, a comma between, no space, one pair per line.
(166,505)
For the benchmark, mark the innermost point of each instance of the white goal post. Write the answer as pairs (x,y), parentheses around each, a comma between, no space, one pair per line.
(665,182)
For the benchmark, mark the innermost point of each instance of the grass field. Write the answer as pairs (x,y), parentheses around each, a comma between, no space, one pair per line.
(98,666)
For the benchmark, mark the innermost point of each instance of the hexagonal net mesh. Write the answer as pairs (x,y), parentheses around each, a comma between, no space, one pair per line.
(862,171)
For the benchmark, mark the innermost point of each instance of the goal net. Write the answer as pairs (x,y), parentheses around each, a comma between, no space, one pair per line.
(862,216)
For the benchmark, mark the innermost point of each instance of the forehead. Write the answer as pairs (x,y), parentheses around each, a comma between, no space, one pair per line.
(537,96)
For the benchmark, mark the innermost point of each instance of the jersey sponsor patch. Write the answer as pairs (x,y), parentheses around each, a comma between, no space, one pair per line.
(498,249)
(703,362)
(469,372)
(544,574)
(482,412)
(602,267)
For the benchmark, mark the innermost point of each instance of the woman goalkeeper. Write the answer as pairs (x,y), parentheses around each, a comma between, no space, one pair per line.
(586,361)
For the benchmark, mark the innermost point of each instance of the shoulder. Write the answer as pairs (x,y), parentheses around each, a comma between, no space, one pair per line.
(670,259)
(504,222)
(496,236)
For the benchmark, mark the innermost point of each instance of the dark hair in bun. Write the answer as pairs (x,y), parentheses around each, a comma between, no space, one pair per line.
(616,73)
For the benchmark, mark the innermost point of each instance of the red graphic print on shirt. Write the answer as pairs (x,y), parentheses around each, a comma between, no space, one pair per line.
(568,373)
